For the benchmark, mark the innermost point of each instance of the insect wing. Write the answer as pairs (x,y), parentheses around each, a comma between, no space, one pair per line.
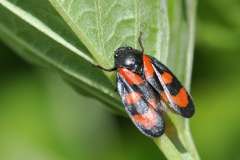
(168,86)
(141,109)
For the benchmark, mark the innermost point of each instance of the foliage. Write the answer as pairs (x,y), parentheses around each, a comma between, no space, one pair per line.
(70,36)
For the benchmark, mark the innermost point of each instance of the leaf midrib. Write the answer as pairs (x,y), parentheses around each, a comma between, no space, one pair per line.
(80,34)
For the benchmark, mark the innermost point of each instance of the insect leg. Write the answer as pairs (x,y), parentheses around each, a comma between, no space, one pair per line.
(140,42)
(106,69)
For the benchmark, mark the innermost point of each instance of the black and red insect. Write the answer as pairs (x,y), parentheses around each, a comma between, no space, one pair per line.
(144,84)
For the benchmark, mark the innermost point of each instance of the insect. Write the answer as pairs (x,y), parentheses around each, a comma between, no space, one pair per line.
(144,85)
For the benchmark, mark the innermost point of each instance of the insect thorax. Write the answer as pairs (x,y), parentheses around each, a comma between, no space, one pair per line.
(130,58)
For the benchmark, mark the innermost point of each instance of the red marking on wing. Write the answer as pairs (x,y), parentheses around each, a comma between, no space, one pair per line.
(147,120)
(148,68)
(181,99)
(164,96)
(130,77)
(153,102)
(132,98)
(167,77)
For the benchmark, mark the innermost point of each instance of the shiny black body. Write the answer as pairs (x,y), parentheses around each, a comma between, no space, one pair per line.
(129,58)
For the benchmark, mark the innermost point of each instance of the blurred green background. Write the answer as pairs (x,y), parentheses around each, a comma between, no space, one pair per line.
(41,119)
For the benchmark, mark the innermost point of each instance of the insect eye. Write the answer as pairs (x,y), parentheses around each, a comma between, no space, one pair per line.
(130,61)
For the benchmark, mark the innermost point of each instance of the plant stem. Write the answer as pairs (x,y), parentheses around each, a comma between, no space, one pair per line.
(178,151)
(167,147)
(177,142)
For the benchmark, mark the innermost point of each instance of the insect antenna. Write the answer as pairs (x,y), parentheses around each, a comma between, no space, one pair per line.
(140,42)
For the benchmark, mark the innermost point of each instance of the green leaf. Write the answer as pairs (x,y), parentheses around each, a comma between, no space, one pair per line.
(103,26)
(71,35)
(40,41)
